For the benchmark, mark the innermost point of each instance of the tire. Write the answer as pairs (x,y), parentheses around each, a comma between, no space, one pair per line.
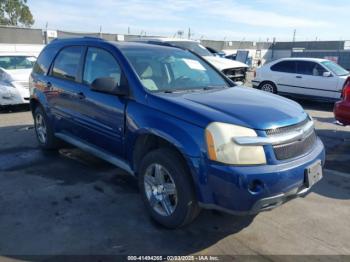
(182,205)
(44,131)
(268,87)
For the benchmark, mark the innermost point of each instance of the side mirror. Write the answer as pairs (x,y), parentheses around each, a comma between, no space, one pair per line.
(108,85)
(327,74)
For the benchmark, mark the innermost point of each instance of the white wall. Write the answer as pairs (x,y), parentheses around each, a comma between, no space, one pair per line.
(26,49)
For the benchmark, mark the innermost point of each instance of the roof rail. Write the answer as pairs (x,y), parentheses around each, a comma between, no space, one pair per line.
(155,42)
(93,38)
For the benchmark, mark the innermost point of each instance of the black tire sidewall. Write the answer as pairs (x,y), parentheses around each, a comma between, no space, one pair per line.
(187,203)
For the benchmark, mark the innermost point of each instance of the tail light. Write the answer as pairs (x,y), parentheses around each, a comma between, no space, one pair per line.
(346,90)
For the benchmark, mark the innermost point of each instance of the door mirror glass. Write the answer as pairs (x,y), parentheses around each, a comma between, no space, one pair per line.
(107,85)
(327,74)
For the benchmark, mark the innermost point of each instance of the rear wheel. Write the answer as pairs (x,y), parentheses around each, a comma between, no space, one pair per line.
(44,131)
(167,189)
(268,87)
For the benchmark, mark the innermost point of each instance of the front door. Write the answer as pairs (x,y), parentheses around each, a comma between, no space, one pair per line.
(101,115)
(311,81)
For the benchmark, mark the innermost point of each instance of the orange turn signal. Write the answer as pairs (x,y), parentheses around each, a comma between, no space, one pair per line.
(210,145)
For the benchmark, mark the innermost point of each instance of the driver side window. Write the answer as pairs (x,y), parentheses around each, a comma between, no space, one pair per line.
(100,64)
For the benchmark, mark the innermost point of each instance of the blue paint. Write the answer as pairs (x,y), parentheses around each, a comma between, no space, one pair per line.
(113,124)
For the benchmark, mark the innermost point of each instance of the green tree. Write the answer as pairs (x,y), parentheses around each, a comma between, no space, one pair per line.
(15,12)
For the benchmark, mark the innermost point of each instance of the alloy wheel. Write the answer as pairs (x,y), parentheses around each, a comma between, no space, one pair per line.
(40,128)
(160,190)
(268,88)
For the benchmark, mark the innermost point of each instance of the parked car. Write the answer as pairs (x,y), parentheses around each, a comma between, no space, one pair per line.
(234,70)
(342,108)
(14,76)
(302,77)
(174,121)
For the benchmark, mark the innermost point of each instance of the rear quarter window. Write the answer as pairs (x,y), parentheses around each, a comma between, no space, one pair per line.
(44,60)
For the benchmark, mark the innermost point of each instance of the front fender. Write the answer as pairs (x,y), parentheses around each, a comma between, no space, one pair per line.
(186,137)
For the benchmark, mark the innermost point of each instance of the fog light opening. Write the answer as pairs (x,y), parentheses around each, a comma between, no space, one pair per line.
(256,186)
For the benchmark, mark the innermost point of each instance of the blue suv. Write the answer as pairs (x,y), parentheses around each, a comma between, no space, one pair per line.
(171,119)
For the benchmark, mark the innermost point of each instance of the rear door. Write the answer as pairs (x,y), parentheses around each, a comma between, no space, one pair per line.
(284,74)
(64,91)
(311,82)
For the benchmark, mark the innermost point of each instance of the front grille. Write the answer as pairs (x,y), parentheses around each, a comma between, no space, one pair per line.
(235,74)
(286,129)
(295,148)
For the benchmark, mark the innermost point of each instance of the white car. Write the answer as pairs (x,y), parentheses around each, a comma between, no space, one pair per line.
(15,70)
(302,77)
(234,70)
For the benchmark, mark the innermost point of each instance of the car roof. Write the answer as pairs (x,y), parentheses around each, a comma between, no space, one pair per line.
(120,44)
(164,39)
(302,59)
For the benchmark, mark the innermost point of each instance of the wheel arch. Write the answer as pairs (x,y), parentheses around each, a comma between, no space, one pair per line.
(148,141)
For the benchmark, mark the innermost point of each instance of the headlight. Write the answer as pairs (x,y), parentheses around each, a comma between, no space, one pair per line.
(5,79)
(222,148)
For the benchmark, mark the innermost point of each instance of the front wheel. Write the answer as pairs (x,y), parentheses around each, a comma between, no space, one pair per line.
(167,189)
(268,87)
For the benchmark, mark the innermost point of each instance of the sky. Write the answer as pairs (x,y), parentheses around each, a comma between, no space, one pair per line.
(253,20)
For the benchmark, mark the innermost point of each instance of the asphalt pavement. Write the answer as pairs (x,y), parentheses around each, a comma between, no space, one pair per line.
(71,203)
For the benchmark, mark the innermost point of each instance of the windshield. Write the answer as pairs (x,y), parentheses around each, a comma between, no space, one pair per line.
(335,68)
(170,69)
(17,62)
(193,46)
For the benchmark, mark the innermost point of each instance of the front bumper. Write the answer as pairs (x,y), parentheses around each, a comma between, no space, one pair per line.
(251,189)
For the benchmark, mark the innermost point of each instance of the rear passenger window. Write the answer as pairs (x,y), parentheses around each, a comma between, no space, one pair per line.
(100,63)
(284,66)
(66,64)
(43,63)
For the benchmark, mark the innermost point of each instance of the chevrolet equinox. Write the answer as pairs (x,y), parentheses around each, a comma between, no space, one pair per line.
(168,117)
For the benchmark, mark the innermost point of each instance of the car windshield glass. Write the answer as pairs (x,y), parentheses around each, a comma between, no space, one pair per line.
(193,46)
(335,68)
(172,69)
(17,62)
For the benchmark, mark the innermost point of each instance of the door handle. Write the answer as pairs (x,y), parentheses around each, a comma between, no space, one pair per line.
(299,77)
(80,95)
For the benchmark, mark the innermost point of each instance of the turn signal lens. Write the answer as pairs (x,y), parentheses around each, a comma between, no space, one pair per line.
(210,145)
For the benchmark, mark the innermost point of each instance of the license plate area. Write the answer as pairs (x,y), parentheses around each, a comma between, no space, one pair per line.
(313,174)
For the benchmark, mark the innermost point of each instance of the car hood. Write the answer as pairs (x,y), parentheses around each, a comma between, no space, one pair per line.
(224,63)
(237,105)
(19,74)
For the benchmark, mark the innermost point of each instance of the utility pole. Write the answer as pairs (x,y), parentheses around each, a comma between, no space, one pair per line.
(189,33)
(128,30)
(294,33)
(46,36)
(100,31)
